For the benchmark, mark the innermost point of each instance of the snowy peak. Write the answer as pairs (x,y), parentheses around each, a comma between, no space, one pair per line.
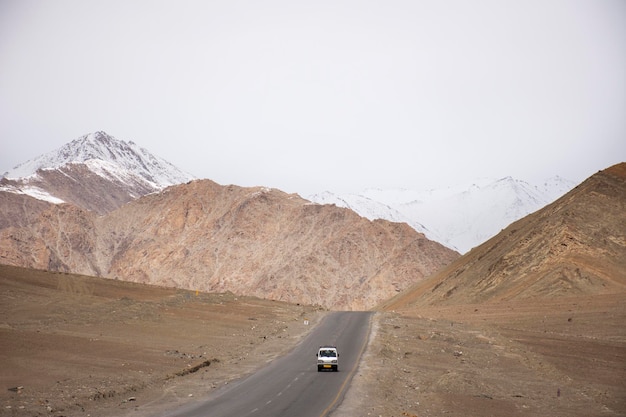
(459,217)
(111,153)
(96,172)
(368,207)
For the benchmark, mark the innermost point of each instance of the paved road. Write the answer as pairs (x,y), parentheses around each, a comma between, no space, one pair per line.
(291,386)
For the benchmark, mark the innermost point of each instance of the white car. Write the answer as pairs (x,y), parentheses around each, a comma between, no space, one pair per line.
(327,358)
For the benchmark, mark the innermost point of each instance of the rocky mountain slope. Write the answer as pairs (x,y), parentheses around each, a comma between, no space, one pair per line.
(95,172)
(459,217)
(574,246)
(208,237)
(100,173)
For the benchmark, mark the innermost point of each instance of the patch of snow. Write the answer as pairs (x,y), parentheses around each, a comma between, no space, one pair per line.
(34,192)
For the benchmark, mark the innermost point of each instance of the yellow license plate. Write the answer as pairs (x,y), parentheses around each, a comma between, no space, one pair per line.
(328,366)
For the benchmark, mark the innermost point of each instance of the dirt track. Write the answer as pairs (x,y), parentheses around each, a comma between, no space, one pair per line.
(82,346)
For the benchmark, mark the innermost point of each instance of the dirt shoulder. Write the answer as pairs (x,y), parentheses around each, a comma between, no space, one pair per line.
(73,345)
(563,358)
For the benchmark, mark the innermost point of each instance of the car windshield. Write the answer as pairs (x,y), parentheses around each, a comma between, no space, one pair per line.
(328,353)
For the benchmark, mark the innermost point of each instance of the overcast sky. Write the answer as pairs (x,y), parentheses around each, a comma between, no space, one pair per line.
(337,95)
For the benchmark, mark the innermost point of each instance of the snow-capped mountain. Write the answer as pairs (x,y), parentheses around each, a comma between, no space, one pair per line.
(100,173)
(372,205)
(106,156)
(95,171)
(460,217)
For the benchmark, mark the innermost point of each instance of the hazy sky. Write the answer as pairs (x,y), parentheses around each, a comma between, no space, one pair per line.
(307,96)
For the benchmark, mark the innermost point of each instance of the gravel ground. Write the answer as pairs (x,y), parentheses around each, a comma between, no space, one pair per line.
(77,346)
(86,347)
(564,358)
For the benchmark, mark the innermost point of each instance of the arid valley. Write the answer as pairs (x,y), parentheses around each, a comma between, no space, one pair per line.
(81,346)
(313,208)
(165,298)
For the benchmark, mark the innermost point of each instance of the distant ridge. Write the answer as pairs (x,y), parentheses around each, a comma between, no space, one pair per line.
(96,172)
(459,217)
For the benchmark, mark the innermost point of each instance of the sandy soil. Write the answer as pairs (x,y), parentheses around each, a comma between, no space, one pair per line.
(561,358)
(77,346)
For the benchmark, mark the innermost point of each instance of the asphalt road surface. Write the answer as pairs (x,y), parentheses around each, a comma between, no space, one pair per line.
(291,385)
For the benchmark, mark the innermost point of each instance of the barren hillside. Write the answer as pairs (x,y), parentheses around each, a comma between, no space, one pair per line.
(73,345)
(19,210)
(250,241)
(529,323)
(574,246)
(77,184)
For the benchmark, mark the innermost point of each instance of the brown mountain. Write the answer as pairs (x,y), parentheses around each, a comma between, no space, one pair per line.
(77,184)
(19,210)
(208,237)
(574,246)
